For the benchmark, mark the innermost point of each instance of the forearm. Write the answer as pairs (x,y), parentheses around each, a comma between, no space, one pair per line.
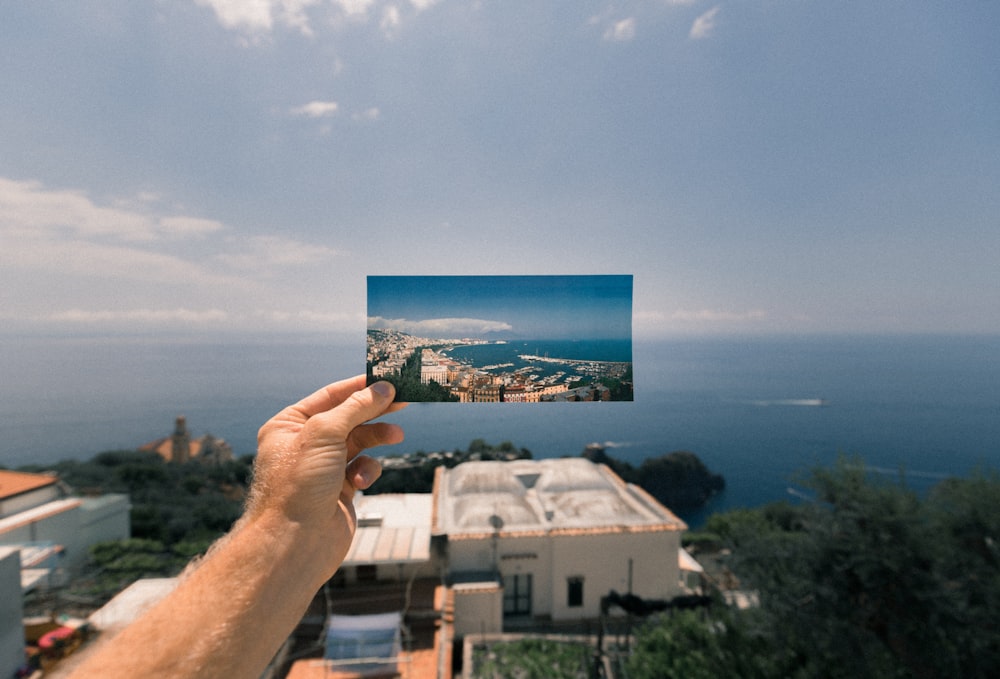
(232,612)
(230,615)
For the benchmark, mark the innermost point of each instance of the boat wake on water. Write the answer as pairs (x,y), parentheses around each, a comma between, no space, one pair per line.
(798,402)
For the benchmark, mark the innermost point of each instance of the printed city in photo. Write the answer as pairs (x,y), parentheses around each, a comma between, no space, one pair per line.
(502,339)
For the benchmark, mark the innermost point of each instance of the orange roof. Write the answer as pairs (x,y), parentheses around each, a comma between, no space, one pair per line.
(17,483)
(165,448)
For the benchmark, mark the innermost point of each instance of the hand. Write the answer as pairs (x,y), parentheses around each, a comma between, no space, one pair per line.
(309,463)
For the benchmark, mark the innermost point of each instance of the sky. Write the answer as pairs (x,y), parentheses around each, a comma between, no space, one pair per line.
(503,307)
(213,167)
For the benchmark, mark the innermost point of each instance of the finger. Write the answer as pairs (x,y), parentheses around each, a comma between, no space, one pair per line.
(330,396)
(363,471)
(372,435)
(294,416)
(360,406)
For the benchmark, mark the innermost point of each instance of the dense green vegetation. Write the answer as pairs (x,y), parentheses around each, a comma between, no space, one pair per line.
(866,580)
(408,386)
(621,388)
(531,659)
(679,480)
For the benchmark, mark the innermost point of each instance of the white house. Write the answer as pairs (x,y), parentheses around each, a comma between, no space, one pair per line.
(37,510)
(547,539)
(43,530)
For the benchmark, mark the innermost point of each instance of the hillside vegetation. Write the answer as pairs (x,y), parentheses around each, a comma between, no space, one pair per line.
(868,579)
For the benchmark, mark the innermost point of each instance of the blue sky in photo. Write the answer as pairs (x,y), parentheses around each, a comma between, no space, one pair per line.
(762,167)
(530,307)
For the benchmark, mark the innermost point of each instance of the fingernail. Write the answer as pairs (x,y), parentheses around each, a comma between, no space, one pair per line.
(383,389)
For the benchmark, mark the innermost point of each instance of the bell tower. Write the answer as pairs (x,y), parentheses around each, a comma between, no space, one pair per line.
(180,449)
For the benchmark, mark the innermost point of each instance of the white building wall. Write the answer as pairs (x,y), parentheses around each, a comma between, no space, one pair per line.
(530,555)
(434,373)
(73,523)
(106,518)
(478,609)
(53,522)
(11,613)
(25,501)
(470,556)
(602,560)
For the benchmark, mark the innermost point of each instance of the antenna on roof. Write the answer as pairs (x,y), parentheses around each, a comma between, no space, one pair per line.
(497,522)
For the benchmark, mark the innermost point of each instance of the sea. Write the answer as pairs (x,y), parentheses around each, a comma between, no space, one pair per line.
(512,352)
(761,411)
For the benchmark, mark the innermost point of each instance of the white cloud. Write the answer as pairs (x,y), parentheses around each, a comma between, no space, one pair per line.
(57,259)
(652,323)
(28,209)
(292,13)
(621,31)
(368,115)
(704,26)
(67,259)
(249,15)
(354,7)
(440,327)
(267,254)
(390,21)
(316,109)
(306,319)
(256,17)
(188,227)
(145,316)
(716,316)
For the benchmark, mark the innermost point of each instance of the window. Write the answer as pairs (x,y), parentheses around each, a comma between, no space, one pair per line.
(517,594)
(574,592)
(367,573)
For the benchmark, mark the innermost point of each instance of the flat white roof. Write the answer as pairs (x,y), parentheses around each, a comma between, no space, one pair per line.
(533,496)
(392,528)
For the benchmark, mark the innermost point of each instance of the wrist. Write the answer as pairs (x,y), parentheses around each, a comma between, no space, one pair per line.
(309,551)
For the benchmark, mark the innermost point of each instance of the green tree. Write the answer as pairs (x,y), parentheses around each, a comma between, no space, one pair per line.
(408,385)
(870,580)
(691,645)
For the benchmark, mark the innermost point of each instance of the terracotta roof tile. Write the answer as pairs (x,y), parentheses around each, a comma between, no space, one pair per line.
(18,483)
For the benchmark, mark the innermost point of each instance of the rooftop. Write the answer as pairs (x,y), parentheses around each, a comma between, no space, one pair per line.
(575,495)
(392,528)
(18,483)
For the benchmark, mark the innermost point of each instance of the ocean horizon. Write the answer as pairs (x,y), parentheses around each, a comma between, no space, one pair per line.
(759,411)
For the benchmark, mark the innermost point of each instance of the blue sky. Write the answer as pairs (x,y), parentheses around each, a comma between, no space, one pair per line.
(527,307)
(759,166)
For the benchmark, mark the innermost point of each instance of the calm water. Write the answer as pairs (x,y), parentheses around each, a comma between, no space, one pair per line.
(926,405)
(510,352)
